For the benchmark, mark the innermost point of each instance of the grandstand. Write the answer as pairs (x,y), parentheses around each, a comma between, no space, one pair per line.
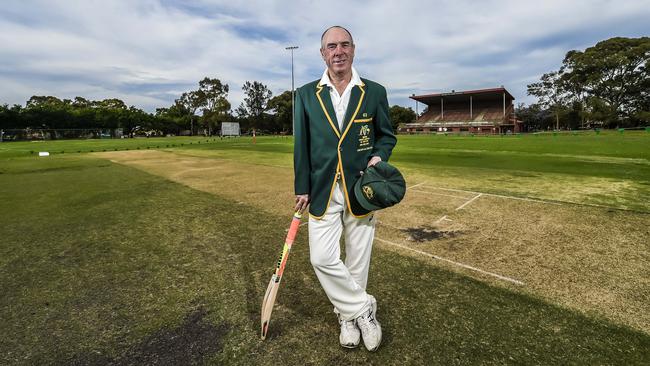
(483,111)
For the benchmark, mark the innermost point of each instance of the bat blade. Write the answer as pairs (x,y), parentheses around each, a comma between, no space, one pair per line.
(273,286)
(267,305)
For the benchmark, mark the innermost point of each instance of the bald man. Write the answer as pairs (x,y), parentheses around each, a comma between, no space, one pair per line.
(341,127)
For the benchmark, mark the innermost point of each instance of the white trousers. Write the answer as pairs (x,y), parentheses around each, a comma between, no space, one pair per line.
(344,283)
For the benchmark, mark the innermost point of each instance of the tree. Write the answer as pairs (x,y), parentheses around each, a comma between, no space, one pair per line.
(607,83)
(11,117)
(110,113)
(81,102)
(615,74)
(5,118)
(47,112)
(534,116)
(111,103)
(400,115)
(255,103)
(551,94)
(191,101)
(42,101)
(281,106)
(574,84)
(172,119)
(212,98)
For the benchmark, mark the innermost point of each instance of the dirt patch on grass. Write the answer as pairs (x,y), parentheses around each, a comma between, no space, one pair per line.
(424,233)
(188,344)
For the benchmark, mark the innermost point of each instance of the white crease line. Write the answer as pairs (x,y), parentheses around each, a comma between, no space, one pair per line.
(499,196)
(504,278)
(388,225)
(439,194)
(468,202)
(502,196)
(419,184)
(440,219)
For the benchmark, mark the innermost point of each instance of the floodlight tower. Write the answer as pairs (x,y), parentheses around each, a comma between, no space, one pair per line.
(293,118)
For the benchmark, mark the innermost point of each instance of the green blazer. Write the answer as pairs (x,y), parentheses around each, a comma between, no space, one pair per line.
(322,151)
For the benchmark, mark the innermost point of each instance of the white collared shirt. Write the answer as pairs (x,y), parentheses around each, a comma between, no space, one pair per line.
(340,102)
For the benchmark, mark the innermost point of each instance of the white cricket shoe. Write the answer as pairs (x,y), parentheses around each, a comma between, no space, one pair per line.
(350,335)
(370,327)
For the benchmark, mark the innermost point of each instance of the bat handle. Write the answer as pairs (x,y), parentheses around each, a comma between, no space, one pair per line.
(293,229)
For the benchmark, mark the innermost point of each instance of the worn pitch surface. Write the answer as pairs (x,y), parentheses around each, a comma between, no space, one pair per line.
(547,247)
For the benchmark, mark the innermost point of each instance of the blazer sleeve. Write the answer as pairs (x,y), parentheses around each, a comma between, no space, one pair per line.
(301,155)
(385,139)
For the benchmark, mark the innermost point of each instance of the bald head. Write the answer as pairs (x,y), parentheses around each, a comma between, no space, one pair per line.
(322,37)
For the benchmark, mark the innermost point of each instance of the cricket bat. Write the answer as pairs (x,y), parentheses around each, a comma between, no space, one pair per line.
(274,284)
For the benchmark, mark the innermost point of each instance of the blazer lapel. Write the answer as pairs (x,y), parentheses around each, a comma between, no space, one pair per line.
(355,93)
(328,109)
(356,99)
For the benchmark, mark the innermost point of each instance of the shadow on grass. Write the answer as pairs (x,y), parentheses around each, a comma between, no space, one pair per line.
(188,344)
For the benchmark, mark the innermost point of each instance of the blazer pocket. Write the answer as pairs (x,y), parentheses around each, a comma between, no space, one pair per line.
(364,120)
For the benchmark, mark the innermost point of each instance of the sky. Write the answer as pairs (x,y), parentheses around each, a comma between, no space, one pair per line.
(148,52)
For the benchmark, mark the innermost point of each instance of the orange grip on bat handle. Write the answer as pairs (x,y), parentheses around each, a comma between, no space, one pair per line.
(293,229)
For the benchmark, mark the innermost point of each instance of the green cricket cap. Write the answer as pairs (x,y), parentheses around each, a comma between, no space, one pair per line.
(380,186)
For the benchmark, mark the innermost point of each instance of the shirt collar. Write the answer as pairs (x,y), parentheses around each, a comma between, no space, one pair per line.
(355,80)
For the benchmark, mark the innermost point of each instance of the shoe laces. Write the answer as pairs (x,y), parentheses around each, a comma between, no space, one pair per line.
(367,320)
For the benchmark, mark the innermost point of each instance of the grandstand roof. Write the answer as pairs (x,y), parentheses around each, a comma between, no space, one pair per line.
(491,93)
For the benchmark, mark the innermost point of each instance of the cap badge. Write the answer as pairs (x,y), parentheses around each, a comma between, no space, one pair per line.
(368,192)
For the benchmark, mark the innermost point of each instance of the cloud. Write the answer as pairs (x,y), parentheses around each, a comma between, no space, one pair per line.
(148,52)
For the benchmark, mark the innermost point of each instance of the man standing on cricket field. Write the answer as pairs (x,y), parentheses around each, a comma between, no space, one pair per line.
(341,128)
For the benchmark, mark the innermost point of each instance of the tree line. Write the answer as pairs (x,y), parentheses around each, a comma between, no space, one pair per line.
(607,85)
(196,111)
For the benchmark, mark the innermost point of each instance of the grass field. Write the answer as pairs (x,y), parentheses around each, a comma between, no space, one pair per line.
(529,249)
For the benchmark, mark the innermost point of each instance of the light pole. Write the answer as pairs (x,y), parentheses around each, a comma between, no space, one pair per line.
(293,118)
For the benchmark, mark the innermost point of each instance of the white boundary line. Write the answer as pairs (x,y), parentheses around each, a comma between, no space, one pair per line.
(468,202)
(419,184)
(381,223)
(504,278)
(438,194)
(502,196)
(549,202)
(440,219)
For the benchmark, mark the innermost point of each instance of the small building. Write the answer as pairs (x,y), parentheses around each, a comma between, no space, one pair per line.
(482,111)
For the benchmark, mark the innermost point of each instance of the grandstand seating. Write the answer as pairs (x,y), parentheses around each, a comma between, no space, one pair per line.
(478,115)
(487,112)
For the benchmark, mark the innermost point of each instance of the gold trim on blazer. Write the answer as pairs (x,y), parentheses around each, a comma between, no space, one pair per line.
(322,105)
(328,199)
(345,187)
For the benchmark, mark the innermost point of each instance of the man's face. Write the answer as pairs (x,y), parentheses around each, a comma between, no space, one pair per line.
(337,50)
